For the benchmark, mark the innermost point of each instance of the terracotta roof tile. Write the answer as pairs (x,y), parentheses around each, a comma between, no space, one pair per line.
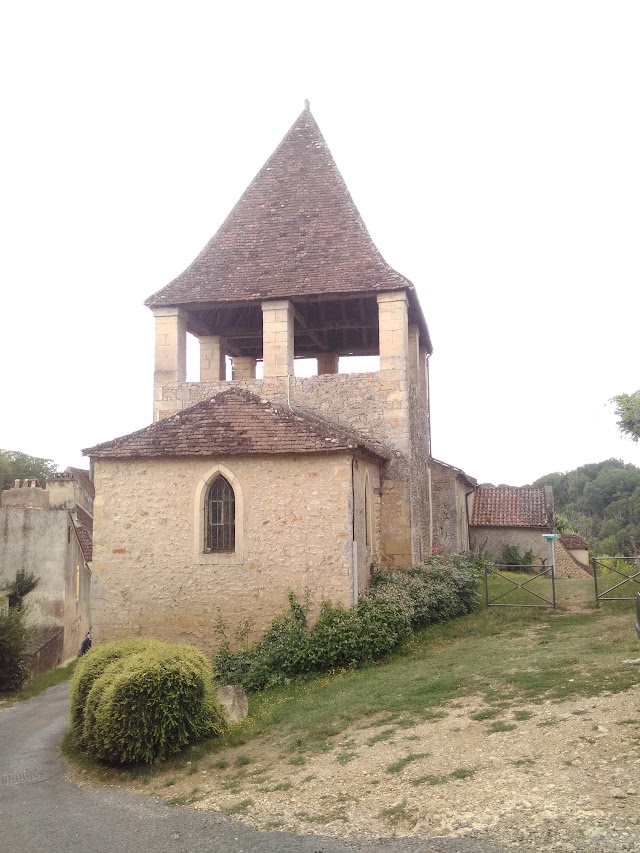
(512,507)
(295,232)
(86,543)
(84,519)
(233,423)
(573,542)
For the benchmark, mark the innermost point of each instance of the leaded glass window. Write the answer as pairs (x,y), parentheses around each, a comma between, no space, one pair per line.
(220,517)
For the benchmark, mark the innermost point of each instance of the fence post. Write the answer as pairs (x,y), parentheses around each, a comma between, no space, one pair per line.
(551,537)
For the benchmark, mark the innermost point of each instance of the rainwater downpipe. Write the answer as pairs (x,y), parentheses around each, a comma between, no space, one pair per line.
(466,503)
(354,543)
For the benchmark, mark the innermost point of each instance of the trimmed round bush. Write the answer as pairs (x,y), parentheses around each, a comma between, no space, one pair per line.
(91,666)
(144,700)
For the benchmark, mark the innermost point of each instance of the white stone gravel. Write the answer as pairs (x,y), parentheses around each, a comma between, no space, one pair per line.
(566,779)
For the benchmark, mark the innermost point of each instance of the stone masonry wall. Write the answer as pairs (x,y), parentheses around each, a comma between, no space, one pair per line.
(376,406)
(43,541)
(150,577)
(491,540)
(450,524)
(567,566)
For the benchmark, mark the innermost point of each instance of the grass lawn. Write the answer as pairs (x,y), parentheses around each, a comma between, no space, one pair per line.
(502,655)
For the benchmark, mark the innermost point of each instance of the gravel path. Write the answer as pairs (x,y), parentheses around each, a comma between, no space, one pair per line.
(41,810)
(553,776)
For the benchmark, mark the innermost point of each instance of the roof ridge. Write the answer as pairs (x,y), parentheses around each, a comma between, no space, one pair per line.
(214,426)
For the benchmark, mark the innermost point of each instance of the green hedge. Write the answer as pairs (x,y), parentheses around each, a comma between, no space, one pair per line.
(15,637)
(397,603)
(138,701)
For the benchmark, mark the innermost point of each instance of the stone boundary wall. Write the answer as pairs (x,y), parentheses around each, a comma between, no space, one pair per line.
(46,653)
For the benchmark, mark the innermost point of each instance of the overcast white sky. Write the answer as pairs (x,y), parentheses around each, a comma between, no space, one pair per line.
(493,149)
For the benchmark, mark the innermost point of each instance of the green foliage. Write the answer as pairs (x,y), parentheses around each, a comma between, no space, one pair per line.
(600,502)
(15,637)
(23,584)
(516,561)
(397,603)
(18,466)
(628,412)
(138,701)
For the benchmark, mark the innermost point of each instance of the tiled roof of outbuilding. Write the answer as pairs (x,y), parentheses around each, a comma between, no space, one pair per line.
(295,232)
(573,542)
(233,423)
(512,507)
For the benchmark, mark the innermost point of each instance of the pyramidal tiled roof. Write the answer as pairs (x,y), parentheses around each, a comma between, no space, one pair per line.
(573,542)
(294,232)
(233,423)
(512,507)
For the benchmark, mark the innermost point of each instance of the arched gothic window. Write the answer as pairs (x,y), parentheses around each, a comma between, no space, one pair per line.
(220,517)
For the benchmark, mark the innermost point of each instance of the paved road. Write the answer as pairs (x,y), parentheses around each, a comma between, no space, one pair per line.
(40,811)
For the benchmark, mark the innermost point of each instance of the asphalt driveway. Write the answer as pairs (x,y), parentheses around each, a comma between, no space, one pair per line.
(39,810)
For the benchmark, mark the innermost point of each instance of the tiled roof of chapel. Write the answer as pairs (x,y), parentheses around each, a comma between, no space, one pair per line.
(234,423)
(294,232)
(504,506)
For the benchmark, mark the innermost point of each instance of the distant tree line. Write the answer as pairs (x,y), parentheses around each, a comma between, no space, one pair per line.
(600,502)
(19,466)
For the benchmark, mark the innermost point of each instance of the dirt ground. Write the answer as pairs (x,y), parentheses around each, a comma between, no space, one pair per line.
(551,776)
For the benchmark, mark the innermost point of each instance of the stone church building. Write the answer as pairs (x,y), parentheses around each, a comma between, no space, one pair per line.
(245,488)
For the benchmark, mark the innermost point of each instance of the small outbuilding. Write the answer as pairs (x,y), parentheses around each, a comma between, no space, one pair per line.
(505,516)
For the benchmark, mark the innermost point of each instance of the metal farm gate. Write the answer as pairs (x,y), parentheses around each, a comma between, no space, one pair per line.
(616,578)
(520,593)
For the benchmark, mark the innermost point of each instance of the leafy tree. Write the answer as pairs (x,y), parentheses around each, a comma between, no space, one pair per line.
(628,411)
(600,502)
(19,466)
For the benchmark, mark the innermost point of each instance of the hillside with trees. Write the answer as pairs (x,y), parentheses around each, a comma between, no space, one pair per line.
(601,502)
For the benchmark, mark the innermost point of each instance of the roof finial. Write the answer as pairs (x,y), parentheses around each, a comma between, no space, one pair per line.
(306,105)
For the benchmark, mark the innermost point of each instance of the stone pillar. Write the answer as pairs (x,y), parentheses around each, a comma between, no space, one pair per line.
(277,338)
(413,352)
(171,351)
(393,331)
(213,349)
(327,363)
(423,387)
(244,367)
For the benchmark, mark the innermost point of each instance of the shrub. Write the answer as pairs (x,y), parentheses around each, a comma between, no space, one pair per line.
(15,637)
(90,667)
(23,583)
(516,561)
(397,602)
(141,700)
